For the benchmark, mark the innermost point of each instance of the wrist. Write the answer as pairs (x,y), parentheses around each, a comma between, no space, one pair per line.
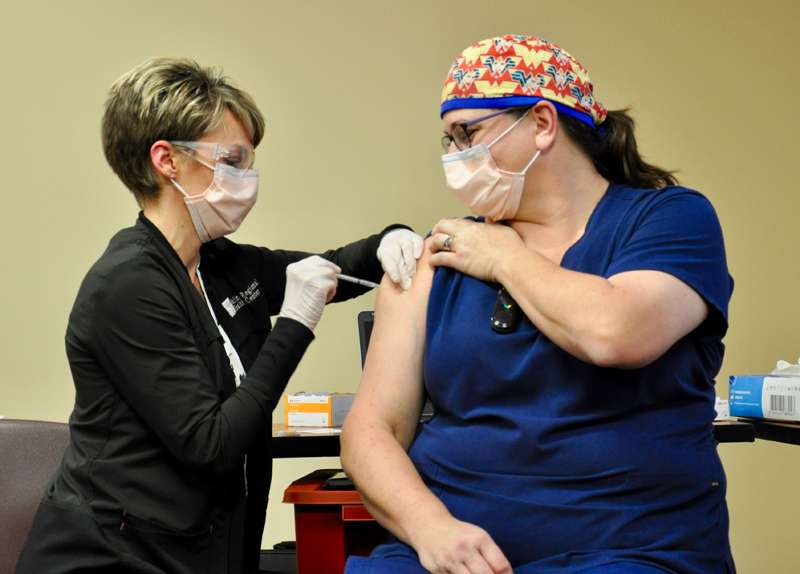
(504,266)
(394,227)
(308,322)
(418,526)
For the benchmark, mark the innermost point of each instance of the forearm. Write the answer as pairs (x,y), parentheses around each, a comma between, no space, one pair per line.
(159,372)
(579,312)
(246,413)
(388,482)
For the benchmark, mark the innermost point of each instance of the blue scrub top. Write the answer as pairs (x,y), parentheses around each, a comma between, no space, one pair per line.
(567,465)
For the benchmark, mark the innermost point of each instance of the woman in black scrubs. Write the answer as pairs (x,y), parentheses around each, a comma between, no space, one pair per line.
(176,364)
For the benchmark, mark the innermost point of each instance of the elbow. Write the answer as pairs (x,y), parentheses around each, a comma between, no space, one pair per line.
(347,465)
(362,435)
(618,348)
(204,460)
(348,448)
(207,450)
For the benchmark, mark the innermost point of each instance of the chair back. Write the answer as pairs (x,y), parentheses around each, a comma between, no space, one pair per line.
(30,452)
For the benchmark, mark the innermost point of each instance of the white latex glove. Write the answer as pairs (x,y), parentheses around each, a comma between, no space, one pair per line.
(310,284)
(398,253)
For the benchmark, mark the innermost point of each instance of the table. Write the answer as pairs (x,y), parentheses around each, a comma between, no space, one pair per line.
(288,442)
(732,430)
(294,442)
(787,433)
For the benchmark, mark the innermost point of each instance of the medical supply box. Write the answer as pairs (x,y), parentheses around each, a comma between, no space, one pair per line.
(765,397)
(317,409)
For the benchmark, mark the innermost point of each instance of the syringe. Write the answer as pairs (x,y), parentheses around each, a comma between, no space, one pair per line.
(356,280)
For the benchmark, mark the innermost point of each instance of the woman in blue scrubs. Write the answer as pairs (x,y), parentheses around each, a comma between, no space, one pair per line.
(568,338)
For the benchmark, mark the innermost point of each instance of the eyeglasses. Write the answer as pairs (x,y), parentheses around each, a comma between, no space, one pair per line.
(461,135)
(235,155)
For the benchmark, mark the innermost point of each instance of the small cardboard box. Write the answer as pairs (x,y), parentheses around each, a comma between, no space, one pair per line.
(765,397)
(317,409)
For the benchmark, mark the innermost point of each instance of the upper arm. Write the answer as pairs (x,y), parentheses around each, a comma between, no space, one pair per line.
(391,389)
(671,274)
(664,310)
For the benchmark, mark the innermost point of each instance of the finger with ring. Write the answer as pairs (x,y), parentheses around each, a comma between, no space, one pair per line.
(448,242)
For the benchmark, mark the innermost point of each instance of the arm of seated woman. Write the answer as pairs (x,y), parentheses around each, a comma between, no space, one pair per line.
(626,321)
(381,425)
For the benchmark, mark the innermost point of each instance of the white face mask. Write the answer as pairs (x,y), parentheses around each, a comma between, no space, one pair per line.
(222,207)
(473,176)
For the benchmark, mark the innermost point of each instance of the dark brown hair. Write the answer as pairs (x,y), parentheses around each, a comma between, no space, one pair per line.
(614,153)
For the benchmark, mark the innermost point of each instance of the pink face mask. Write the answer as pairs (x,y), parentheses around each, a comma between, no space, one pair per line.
(473,176)
(222,207)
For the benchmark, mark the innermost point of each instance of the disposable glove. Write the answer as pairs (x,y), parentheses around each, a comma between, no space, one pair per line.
(310,284)
(398,253)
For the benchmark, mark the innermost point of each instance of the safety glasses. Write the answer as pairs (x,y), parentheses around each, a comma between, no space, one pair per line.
(235,155)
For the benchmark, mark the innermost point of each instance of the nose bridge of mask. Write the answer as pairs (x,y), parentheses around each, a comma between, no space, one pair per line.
(225,170)
(465,168)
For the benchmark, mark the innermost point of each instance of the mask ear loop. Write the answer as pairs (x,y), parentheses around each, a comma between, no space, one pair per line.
(195,158)
(533,159)
(511,127)
(178,186)
(508,129)
(201,232)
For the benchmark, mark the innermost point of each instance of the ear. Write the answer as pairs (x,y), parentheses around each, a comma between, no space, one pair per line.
(162,156)
(545,115)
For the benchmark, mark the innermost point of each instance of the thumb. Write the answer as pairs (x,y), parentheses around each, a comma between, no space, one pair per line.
(392,268)
(418,245)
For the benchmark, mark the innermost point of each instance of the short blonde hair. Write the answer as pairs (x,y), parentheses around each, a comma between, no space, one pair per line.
(169,99)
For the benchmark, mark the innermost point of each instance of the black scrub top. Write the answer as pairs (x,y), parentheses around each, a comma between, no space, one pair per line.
(154,480)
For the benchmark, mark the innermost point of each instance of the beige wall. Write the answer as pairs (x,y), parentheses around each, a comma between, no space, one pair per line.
(350,91)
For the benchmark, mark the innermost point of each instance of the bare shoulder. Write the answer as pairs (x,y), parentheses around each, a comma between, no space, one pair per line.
(393,299)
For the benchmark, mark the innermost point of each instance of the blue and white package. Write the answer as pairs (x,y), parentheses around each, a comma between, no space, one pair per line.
(765,397)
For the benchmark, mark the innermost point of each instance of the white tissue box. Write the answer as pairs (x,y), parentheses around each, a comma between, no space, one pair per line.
(723,412)
(765,397)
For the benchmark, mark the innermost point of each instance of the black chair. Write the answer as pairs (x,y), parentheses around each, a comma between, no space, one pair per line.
(30,452)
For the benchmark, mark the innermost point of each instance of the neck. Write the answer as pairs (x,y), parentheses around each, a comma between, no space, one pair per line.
(169,214)
(558,201)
